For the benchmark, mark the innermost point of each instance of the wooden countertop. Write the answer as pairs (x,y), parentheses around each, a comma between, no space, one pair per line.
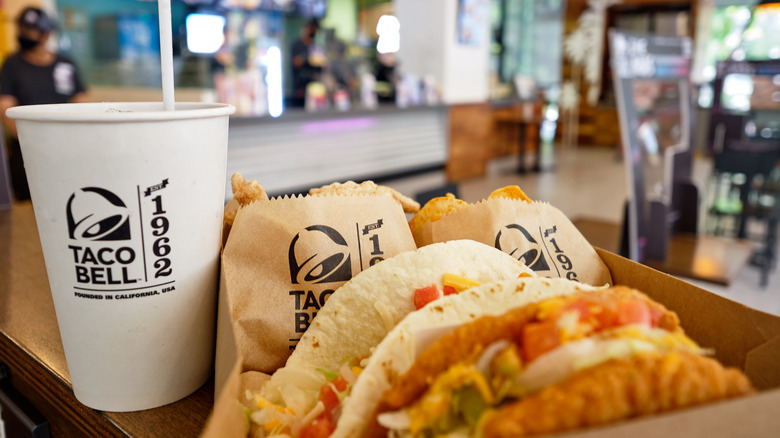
(30,345)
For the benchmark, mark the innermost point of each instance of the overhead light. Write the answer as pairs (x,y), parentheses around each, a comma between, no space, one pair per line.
(274,81)
(205,32)
(388,29)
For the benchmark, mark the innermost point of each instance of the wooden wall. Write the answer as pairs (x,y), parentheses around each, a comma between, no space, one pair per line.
(470,144)
(481,132)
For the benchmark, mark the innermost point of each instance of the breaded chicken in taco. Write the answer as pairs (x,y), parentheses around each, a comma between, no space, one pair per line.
(580,360)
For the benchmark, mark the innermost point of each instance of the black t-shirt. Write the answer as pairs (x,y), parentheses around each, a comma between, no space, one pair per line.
(31,84)
(304,74)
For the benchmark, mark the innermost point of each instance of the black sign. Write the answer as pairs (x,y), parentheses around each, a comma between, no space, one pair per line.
(651,75)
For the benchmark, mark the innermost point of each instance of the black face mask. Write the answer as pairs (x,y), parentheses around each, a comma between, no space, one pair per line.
(27,43)
(312,34)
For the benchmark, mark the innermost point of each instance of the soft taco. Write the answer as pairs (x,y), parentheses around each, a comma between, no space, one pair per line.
(567,362)
(396,353)
(359,314)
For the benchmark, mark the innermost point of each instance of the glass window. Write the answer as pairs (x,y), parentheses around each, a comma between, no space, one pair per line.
(517,28)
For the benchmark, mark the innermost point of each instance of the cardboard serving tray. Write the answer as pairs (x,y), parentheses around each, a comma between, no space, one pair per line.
(742,337)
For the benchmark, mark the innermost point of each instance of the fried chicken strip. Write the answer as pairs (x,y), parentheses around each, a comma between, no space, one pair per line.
(470,339)
(442,206)
(246,192)
(511,192)
(617,390)
(434,210)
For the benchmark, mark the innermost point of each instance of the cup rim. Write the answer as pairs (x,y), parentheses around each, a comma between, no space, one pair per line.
(118,111)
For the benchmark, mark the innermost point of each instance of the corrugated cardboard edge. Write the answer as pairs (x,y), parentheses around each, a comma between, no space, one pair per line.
(762,365)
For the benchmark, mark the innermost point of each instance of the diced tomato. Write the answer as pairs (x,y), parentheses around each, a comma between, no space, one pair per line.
(449,290)
(329,397)
(581,307)
(321,427)
(340,383)
(606,318)
(539,338)
(655,317)
(425,295)
(633,312)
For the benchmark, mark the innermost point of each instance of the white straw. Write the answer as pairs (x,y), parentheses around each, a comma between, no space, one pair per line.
(166,53)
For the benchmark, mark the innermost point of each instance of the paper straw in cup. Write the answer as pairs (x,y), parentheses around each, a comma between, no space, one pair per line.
(166,53)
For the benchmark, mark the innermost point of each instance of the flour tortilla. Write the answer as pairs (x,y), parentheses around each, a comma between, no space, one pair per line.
(362,311)
(396,353)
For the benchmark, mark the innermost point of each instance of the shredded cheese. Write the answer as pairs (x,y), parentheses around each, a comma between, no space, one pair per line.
(314,413)
(459,283)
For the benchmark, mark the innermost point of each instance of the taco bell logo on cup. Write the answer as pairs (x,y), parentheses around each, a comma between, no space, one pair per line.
(120,247)
(105,218)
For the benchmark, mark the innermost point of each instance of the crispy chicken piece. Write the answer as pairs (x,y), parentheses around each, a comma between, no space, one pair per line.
(511,192)
(470,339)
(434,210)
(618,390)
(229,216)
(367,188)
(441,206)
(246,192)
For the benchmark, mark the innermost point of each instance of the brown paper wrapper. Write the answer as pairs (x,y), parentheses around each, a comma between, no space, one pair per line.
(285,256)
(536,233)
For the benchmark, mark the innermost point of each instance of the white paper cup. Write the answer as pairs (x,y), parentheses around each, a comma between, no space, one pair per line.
(129,199)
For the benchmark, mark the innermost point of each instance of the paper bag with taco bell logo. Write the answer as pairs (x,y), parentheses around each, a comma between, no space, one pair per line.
(282,260)
(535,233)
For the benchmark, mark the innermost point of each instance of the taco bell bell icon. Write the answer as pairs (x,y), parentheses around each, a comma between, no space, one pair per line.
(106,217)
(128,200)
(103,251)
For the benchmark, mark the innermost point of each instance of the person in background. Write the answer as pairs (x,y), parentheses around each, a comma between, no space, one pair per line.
(34,75)
(386,77)
(303,69)
(342,70)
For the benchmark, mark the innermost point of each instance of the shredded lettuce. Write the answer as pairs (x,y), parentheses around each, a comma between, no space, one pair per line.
(350,360)
(470,405)
(329,375)
(247,414)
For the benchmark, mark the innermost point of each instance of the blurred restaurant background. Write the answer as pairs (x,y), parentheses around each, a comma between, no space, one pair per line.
(464,96)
